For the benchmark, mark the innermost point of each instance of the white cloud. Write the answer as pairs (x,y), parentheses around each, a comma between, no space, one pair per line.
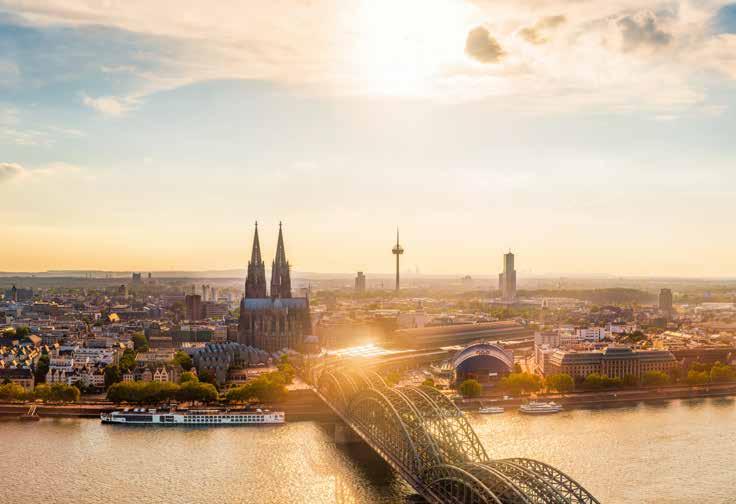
(10,171)
(14,171)
(620,55)
(109,105)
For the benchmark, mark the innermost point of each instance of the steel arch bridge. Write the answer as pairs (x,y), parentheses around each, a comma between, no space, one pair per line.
(428,440)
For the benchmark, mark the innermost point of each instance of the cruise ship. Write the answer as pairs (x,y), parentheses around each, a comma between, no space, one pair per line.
(540,408)
(143,416)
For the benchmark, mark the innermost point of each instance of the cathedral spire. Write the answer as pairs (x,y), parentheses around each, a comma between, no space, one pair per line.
(280,275)
(255,281)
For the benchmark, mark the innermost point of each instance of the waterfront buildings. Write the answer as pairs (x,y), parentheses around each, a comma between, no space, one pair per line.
(277,321)
(20,376)
(507,279)
(614,362)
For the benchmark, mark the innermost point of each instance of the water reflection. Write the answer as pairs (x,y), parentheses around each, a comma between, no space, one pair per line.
(652,447)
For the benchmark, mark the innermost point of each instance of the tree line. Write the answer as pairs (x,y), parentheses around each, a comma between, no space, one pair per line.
(58,392)
(527,383)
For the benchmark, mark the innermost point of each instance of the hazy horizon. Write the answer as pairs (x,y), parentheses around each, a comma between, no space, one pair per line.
(590,138)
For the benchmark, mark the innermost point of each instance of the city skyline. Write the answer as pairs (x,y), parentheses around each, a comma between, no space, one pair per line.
(591,139)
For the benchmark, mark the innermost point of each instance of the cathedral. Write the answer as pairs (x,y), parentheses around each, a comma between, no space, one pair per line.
(276,321)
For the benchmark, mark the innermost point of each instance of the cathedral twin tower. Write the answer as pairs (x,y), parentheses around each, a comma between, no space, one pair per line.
(277,321)
(255,281)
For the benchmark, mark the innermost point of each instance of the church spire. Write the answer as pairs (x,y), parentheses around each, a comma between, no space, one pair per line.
(255,281)
(280,275)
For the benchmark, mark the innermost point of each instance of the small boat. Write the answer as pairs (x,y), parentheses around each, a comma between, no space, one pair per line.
(490,410)
(540,408)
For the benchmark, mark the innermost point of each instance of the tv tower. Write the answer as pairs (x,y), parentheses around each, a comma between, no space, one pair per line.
(397,251)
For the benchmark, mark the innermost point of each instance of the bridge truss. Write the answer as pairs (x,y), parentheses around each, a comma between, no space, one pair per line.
(428,440)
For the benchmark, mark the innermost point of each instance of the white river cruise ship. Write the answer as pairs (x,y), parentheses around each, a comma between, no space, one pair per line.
(142,416)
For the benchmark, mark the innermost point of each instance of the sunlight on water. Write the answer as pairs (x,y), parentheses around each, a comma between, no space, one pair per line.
(637,454)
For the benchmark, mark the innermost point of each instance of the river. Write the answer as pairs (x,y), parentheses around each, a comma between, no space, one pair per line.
(671,452)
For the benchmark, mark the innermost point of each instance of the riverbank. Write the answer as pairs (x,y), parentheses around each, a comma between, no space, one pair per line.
(610,398)
(299,405)
(304,405)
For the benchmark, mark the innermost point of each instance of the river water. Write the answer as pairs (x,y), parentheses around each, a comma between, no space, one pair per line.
(669,452)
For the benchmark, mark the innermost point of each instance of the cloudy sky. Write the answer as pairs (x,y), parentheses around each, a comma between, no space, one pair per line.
(589,137)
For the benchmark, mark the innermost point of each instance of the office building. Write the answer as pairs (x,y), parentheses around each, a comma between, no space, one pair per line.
(507,279)
(360,283)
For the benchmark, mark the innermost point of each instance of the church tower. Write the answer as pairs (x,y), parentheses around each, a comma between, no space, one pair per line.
(255,281)
(280,276)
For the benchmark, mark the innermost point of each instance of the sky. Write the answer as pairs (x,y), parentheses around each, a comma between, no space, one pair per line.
(587,137)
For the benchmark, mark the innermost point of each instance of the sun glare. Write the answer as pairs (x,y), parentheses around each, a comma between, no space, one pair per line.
(401,46)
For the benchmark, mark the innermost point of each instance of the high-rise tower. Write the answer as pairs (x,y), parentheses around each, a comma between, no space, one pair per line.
(507,279)
(397,251)
(255,281)
(280,275)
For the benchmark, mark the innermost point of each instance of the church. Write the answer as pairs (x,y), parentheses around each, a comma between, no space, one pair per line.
(276,321)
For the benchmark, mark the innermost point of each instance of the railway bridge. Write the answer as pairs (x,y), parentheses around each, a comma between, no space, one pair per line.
(428,440)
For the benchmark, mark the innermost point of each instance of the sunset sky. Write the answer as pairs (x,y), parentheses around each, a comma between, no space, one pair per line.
(589,137)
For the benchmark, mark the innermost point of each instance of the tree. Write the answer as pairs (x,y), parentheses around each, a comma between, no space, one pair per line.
(287,370)
(112,375)
(268,387)
(697,377)
(519,383)
(127,361)
(429,382)
(42,367)
(721,373)
(630,380)
(207,377)
(561,382)
(13,392)
(470,388)
(196,391)
(140,342)
(183,359)
(58,392)
(22,332)
(655,378)
(188,376)
(597,381)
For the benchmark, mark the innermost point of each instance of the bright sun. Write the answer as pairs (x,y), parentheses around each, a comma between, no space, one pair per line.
(402,45)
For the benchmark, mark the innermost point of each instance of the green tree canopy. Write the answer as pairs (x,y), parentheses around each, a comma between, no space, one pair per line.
(697,377)
(268,387)
(183,359)
(655,378)
(721,373)
(429,382)
(520,383)
(112,375)
(597,381)
(561,382)
(127,360)
(42,367)
(188,376)
(140,342)
(470,388)
(58,392)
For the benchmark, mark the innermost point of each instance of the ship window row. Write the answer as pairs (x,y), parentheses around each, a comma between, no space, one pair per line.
(219,419)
